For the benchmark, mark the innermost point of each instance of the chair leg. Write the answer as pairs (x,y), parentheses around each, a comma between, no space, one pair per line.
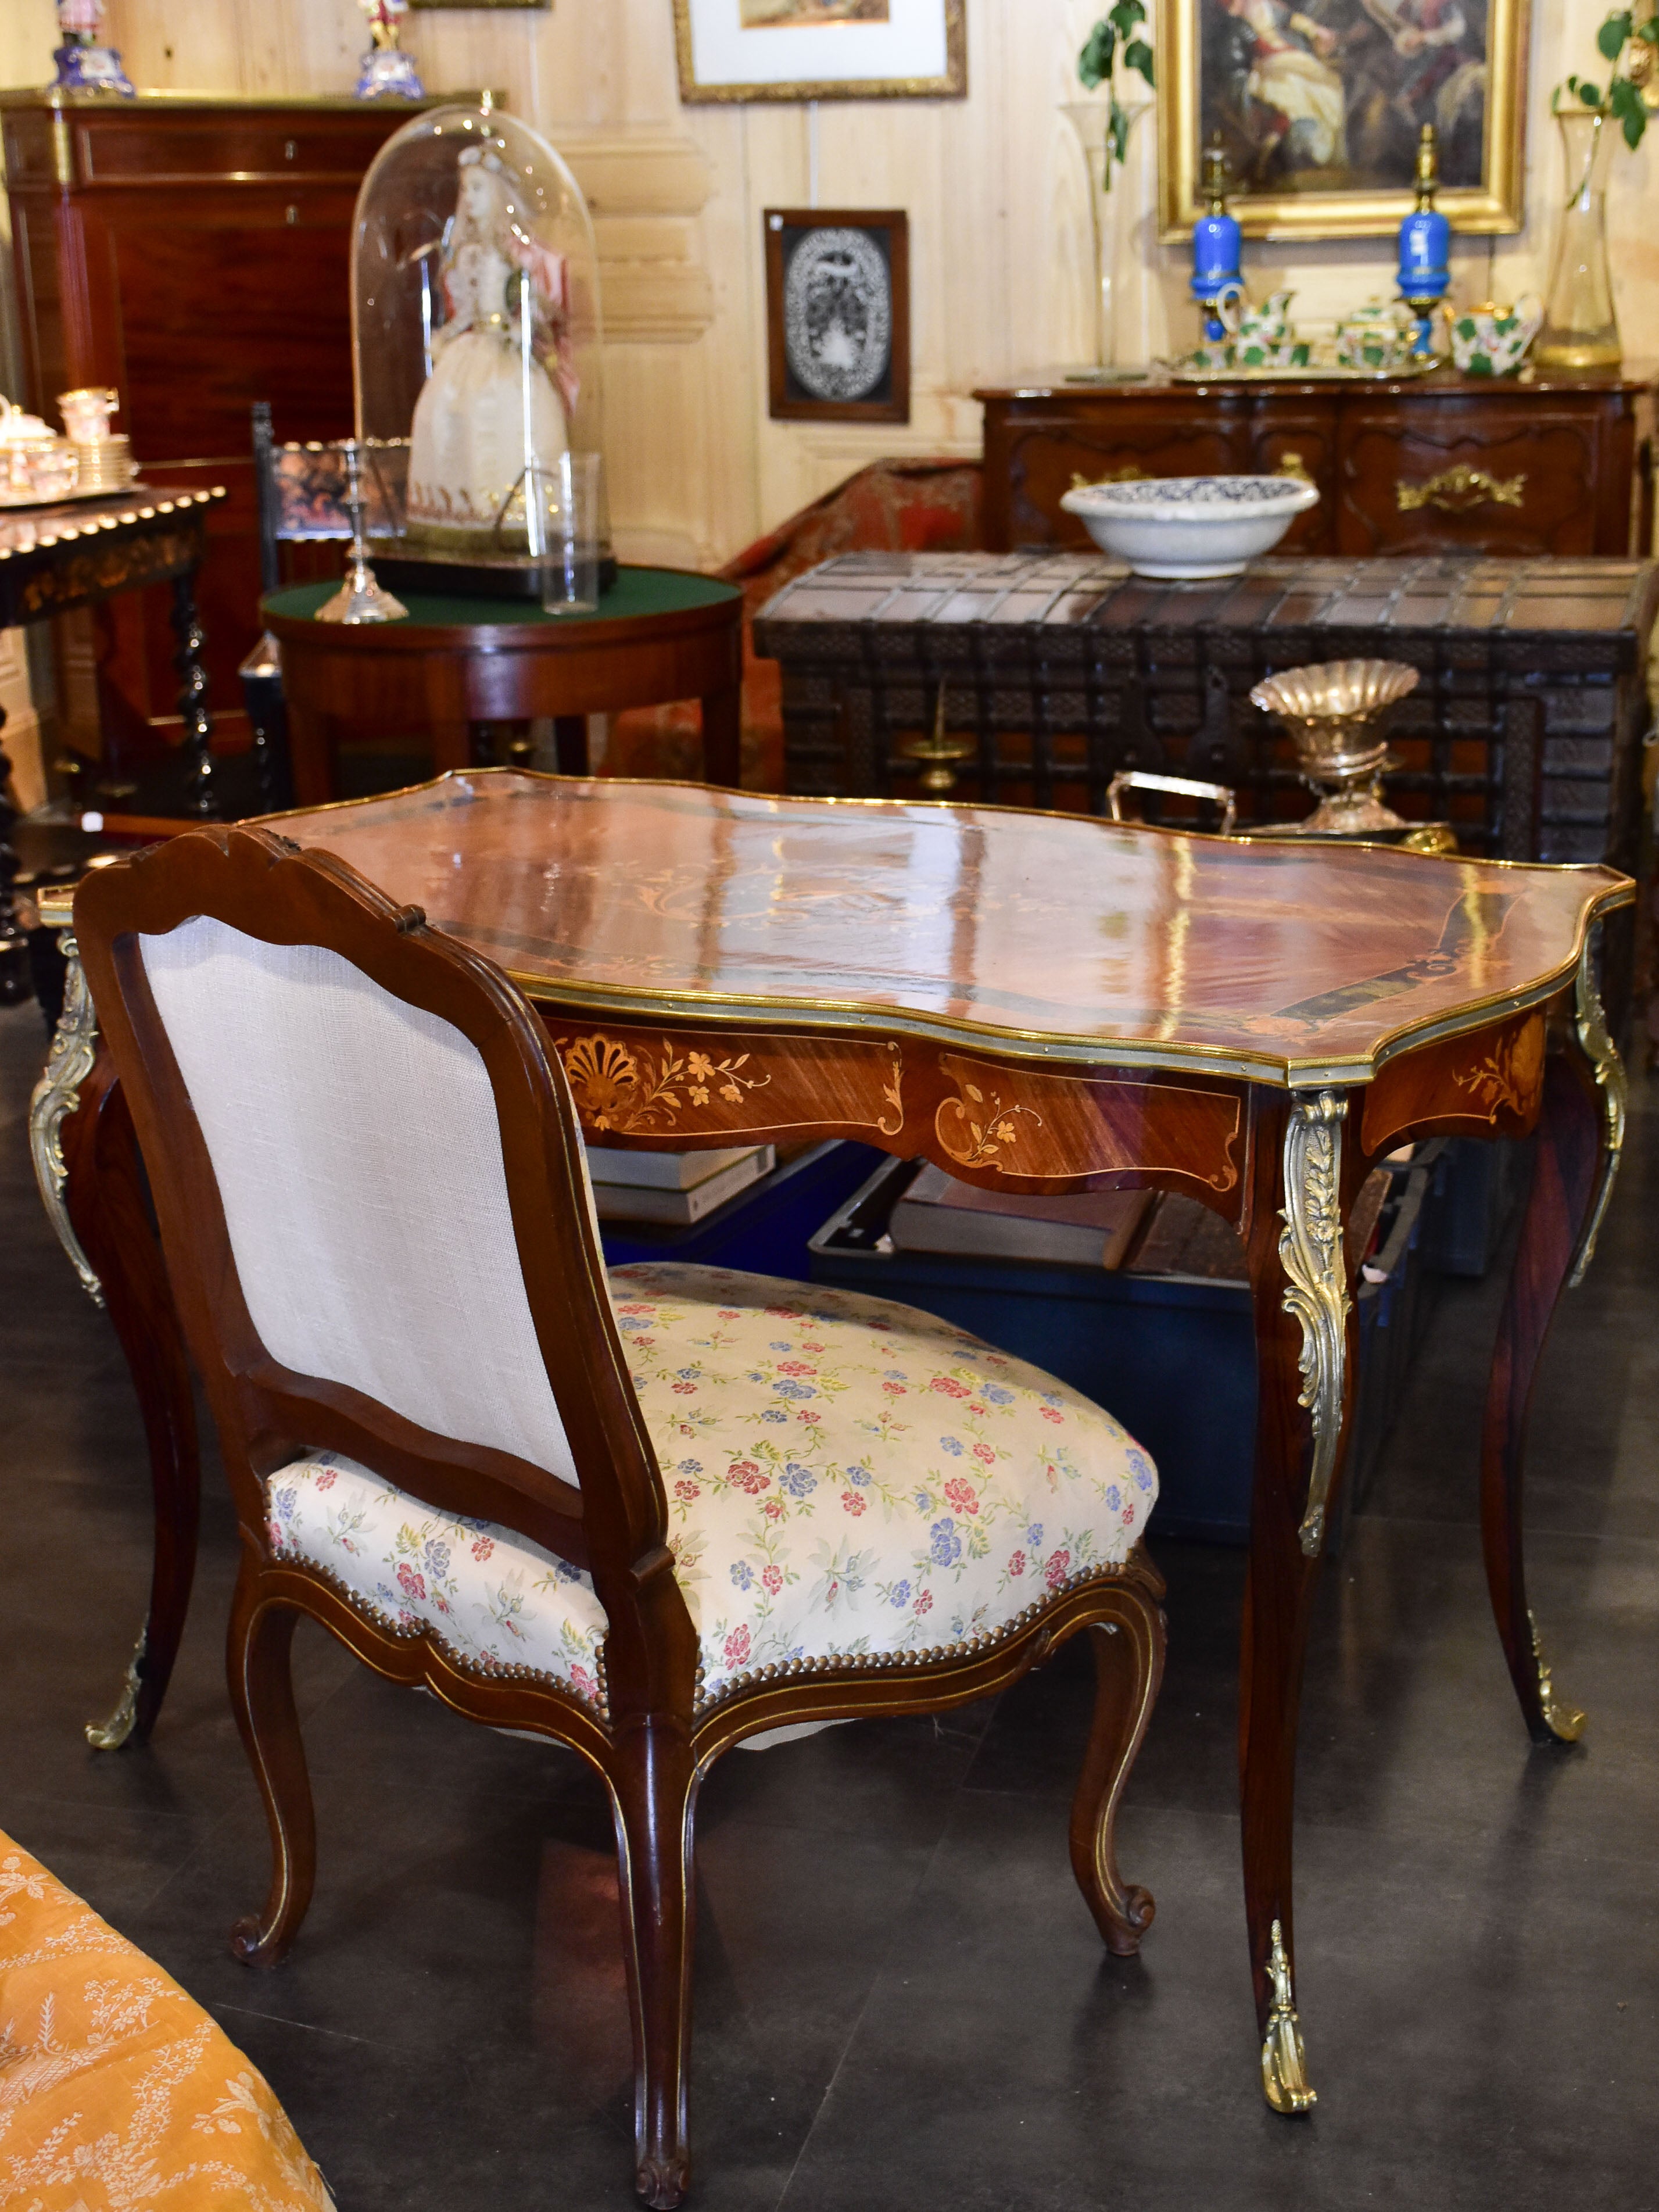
(1128,1666)
(654,1790)
(262,1697)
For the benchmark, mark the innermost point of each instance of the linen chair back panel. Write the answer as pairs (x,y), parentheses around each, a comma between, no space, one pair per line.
(357,1150)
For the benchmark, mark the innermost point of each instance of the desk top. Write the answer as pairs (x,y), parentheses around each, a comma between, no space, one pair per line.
(1060,936)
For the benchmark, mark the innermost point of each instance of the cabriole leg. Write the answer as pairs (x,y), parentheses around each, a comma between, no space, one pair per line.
(1581,1129)
(262,1695)
(1128,1667)
(654,1790)
(1303,1320)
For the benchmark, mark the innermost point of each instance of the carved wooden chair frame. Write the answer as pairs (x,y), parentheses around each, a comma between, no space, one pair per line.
(655,1736)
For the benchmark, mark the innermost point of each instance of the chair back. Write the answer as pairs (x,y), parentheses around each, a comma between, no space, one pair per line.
(371,1191)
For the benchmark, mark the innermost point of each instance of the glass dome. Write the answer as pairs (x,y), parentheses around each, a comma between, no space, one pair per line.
(476,333)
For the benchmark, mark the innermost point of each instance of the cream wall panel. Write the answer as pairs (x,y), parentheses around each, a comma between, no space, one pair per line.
(993,186)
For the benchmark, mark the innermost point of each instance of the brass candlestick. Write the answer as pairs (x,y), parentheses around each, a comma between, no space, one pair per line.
(1335,711)
(938,757)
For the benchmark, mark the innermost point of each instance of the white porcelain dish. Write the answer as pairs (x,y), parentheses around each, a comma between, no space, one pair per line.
(1186,528)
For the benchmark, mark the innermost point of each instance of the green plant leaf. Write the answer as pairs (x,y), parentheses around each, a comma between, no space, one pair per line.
(1138,55)
(1125,14)
(1094,64)
(1120,130)
(1610,38)
(1590,94)
(1648,29)
(1627,104)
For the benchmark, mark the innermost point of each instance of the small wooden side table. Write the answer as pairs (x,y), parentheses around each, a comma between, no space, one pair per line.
(661,634)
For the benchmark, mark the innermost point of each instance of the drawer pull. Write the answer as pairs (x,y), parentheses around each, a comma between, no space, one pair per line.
(1458,490)
(1129,473)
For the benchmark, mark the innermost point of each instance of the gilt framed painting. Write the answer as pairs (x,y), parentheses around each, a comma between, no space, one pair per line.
(821,49)
(1320,105)
(838,314)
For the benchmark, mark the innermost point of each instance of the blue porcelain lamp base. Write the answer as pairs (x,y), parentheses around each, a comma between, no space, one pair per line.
(390,74)
(93,69)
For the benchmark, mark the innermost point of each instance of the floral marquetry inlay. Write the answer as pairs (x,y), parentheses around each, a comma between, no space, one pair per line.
(625,1087)
(1509,1076)
(977,1128)
(1042,1126)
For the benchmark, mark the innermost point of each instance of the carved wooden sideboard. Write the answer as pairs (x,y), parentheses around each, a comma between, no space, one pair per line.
(1561,464)
(193,254)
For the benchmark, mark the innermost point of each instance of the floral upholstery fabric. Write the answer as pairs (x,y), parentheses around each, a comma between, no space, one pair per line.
(117,2091)
(844,1475)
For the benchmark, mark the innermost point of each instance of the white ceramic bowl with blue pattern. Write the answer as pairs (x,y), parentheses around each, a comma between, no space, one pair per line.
(1186,528)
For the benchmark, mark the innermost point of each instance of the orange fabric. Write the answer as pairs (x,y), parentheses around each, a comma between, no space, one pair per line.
(891,507)
(117,2092)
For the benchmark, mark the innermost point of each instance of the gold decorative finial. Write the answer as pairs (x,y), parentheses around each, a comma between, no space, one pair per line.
(1215,177)
(1284,2069)
(1428,169)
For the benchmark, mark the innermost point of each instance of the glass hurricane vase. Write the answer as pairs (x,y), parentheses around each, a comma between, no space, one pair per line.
(1109,214)
(1581,329)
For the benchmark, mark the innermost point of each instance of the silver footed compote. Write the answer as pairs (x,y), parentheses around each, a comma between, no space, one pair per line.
(1335,710)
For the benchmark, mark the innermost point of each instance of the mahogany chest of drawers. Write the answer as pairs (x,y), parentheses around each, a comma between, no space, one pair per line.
(1447,463)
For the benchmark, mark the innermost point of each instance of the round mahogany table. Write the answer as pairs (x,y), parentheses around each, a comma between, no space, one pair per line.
(659,635)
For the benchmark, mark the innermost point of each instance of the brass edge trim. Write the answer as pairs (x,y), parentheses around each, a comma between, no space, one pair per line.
(1316,1296)
(55,1097)
(1281,1072)
(1612,1088)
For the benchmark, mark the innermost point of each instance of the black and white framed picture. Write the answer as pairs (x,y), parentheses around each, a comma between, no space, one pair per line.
(838,313)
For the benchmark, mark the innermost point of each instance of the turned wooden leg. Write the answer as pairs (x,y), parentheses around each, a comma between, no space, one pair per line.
(722,737)
(654,1787)
(201,792)
(1303,1325)
(1128,1667)
(86,1157)
(1576,1150)
(262,1697)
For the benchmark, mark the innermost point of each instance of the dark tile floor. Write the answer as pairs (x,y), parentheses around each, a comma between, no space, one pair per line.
(901,2001)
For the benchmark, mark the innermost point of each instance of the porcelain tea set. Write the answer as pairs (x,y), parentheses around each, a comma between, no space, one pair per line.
(1378,340)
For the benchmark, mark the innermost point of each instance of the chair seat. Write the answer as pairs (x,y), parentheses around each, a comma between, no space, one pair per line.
(846,1477)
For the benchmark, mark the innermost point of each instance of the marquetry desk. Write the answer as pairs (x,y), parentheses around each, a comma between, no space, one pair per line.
(661,634)
(1046,1001)
(53,559)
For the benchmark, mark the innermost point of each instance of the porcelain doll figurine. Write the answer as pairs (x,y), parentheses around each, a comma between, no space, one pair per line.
(496,404)
(84,65)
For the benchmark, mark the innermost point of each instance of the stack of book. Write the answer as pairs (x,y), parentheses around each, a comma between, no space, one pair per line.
(1089,1228)
(672,1188)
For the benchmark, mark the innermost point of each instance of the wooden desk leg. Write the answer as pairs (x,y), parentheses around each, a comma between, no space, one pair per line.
(570,741)
(85,1159)
(1574,1161)
(722,739)
(1304,1339)
(201,794)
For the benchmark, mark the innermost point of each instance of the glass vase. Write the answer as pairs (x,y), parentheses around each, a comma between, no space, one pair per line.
(1108,215)
(1581,329)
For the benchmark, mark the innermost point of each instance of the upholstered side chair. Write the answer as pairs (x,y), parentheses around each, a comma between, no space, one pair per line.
(648,1515)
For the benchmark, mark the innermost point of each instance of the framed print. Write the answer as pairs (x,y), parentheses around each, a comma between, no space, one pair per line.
(1320,104)
(821,49)
(838,314)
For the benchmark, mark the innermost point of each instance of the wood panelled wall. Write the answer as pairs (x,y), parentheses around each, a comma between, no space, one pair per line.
(995,191)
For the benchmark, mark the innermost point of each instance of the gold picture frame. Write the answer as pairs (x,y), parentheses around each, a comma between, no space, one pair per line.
(950,83)
(1347,67)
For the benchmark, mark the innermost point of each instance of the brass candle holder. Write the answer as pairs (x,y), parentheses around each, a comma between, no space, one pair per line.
(938,757)
(1335,711)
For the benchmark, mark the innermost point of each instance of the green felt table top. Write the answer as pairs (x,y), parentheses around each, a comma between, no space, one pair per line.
(638,593)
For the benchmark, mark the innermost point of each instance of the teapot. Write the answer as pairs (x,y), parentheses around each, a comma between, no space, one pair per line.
(1380,336)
